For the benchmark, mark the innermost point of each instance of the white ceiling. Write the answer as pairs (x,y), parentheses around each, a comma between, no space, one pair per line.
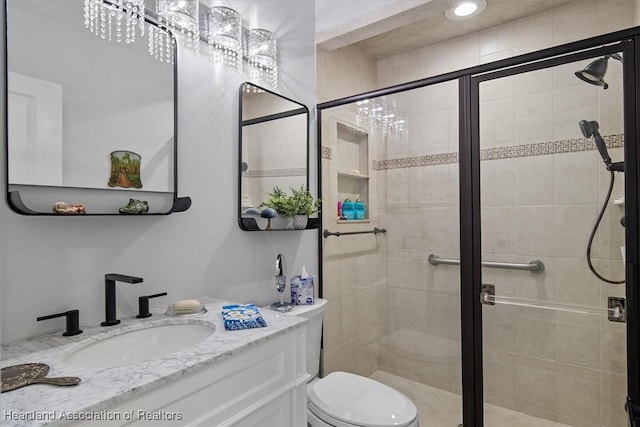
(409,25)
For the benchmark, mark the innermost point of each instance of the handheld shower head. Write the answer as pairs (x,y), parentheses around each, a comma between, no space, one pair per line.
(590,129)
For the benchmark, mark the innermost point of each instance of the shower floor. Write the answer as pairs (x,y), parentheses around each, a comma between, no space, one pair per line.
(439,408)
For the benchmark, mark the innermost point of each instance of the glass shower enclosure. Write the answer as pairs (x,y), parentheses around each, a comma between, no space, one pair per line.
(494,275)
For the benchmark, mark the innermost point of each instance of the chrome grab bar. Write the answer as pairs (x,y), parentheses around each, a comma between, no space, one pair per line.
(535,266)
(375,230)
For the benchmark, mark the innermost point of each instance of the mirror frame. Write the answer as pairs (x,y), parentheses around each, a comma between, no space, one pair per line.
(247,223)
(13,198)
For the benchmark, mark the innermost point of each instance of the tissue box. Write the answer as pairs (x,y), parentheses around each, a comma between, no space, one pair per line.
(242,316)
(302,290)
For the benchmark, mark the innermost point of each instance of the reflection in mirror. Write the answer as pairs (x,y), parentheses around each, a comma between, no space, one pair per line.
(273,150)
(90,121)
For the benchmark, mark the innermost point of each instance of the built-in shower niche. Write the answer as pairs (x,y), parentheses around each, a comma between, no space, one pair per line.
(350,145)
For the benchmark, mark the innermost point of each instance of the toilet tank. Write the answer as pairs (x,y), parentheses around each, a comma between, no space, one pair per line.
(314,313)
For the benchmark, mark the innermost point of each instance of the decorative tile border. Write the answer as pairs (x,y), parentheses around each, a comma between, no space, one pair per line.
(327,153)
(262,173)
(508,152)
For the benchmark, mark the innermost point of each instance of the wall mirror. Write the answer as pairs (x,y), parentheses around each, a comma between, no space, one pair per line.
(274,141)
(90,122)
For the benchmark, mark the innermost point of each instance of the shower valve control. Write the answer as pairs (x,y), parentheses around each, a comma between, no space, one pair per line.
(488,294)
(616,308)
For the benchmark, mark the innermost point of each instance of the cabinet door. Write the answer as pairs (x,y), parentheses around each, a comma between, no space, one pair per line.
(276,413)
(223,393)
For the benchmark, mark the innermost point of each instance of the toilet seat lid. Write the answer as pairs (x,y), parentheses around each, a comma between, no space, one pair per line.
(361,401)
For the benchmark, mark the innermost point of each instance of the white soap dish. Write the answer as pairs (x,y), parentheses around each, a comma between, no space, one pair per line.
(190,307)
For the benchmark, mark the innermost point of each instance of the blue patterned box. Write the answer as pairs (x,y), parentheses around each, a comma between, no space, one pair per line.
(242,316)
(302,290)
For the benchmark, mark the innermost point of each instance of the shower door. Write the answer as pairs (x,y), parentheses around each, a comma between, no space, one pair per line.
(393,316)
(552,271)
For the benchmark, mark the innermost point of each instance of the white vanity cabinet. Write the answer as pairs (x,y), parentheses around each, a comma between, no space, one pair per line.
(263,385)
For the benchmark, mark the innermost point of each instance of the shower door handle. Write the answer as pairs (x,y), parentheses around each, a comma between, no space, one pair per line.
(615,311)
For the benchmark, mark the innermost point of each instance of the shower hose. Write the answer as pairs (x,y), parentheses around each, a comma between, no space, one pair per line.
(593,233)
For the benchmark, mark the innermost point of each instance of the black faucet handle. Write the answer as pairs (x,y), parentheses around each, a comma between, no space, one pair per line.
(143,305)
(73,321)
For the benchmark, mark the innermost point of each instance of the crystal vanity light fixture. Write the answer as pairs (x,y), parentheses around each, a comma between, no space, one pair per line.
(224,36)
(115,19)
(161,44)
(182,18)
(261,55)
(251,89)
(378,114)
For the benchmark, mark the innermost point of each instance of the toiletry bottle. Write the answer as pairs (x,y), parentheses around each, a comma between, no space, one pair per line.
(359,209)
(347,209)
(339,209)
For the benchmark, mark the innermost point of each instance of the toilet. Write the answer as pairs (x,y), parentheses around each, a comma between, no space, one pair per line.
(342,399)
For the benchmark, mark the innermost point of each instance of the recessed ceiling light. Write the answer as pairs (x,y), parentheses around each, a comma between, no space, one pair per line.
(464,9)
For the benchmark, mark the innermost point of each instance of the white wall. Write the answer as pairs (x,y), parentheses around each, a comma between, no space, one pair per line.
(52,264)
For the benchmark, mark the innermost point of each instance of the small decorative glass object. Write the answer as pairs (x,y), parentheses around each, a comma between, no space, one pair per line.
(181,17)
(224,36)
(115,19)
(261,53)
(125,170)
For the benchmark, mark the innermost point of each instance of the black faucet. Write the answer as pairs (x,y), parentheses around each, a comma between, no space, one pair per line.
(143,305)
(110,295)
(73,321)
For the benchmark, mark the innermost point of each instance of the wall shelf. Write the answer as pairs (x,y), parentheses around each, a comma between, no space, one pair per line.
(250,224)
(97,202)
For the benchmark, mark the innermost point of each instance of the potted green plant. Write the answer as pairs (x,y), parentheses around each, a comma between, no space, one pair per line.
(296,207)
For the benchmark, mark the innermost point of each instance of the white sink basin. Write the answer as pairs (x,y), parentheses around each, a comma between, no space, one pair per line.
(137,345)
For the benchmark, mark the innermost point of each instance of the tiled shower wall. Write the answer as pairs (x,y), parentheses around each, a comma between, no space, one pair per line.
(352,268)
(568,368)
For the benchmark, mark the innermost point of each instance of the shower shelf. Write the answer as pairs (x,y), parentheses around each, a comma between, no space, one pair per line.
(352,175)
(350,165)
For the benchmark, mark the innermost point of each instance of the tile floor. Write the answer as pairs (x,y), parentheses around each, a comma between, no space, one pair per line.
(439,408)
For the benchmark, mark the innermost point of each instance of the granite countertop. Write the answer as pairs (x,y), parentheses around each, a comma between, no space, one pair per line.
(100,389)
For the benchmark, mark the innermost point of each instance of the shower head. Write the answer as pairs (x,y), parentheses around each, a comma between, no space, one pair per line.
(590,129)
(594,72)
